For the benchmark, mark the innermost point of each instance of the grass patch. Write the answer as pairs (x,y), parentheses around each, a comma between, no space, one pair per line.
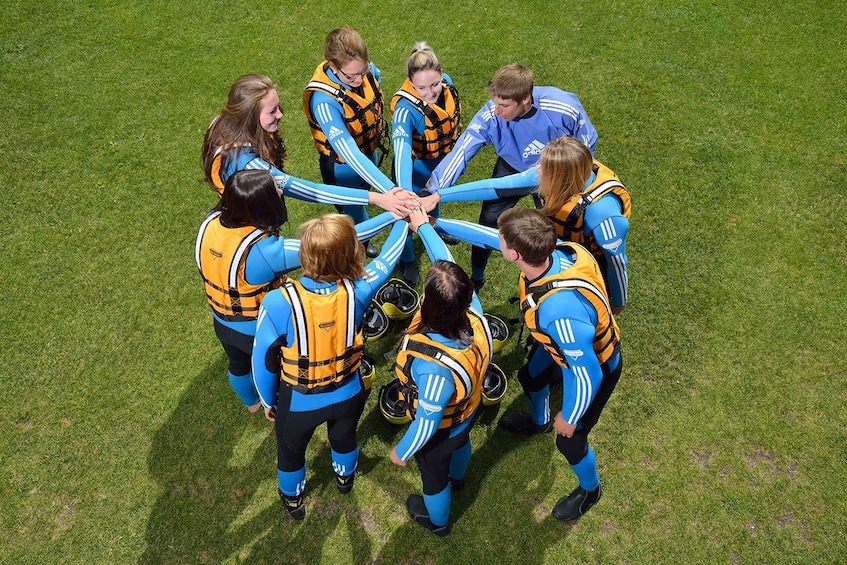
(121,441)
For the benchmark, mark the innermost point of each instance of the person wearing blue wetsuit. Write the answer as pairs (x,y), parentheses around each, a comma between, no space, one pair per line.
(308,349)
(441,362)
(519,120)
(425,124)
(585,199)
(565,305)
(245,136)
(344,108)
(241,257)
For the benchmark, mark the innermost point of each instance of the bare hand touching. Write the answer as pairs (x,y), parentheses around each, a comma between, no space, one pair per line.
(397,201)
(562,427)
(396,460)
(429,203)
(417,218)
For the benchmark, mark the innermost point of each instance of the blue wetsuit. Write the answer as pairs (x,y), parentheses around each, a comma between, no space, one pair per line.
(604,220)
(409,172)
(569,320)
(518,142)
(358,170)
(298,414)
(245,159)
(269,258)
(436,385)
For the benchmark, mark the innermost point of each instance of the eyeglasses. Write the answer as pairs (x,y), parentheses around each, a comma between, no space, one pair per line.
(356,75)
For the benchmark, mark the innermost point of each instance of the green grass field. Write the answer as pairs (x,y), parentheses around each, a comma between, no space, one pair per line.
(725,442)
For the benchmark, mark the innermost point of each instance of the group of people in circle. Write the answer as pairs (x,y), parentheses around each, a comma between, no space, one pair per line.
(295,345)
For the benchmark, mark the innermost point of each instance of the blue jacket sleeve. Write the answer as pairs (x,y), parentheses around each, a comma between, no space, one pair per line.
(434,245)
(297,187)
(405,120)
(434,391)
(378,270)
(371,227)
(570,321)
(470,232)
(605,220)
(329,115)
(469,143)
(519,184)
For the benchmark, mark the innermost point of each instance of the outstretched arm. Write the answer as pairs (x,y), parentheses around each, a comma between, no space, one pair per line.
(470,232)
(435,247)
(468,145)
(328,114)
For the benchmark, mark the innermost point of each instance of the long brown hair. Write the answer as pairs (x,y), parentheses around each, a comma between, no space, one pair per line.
(565,167)
(329,250)
(238,125)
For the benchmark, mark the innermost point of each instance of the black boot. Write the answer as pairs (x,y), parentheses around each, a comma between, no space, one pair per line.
(417,510)
(371,250)
(293,505)
(344,484)
(577,503)
(521,423)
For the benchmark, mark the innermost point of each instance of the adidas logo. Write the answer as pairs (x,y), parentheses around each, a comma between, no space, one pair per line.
(613,247)
(573,353)
(398,132)
(429,409)
(334,132)
(475,127)
(533,148)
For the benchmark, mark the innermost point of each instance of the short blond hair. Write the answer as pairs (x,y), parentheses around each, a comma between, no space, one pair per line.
(512,82)
(344,44)
(329,250)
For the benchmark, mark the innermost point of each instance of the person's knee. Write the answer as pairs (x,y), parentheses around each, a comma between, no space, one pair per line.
(530,382)
(574,448)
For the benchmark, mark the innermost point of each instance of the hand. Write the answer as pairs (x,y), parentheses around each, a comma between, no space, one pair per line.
(562,427)
(270,414)
(397,201)
(429,203)
(417,218)
(396,460)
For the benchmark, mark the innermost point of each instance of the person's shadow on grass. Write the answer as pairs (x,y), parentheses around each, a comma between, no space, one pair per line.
(208,460)
(215,466)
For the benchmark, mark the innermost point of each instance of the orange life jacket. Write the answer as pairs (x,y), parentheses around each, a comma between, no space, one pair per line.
(569,220)
(467,365)
(326,348)
(221,256)
(362,114)
(583,276)
(443,125)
